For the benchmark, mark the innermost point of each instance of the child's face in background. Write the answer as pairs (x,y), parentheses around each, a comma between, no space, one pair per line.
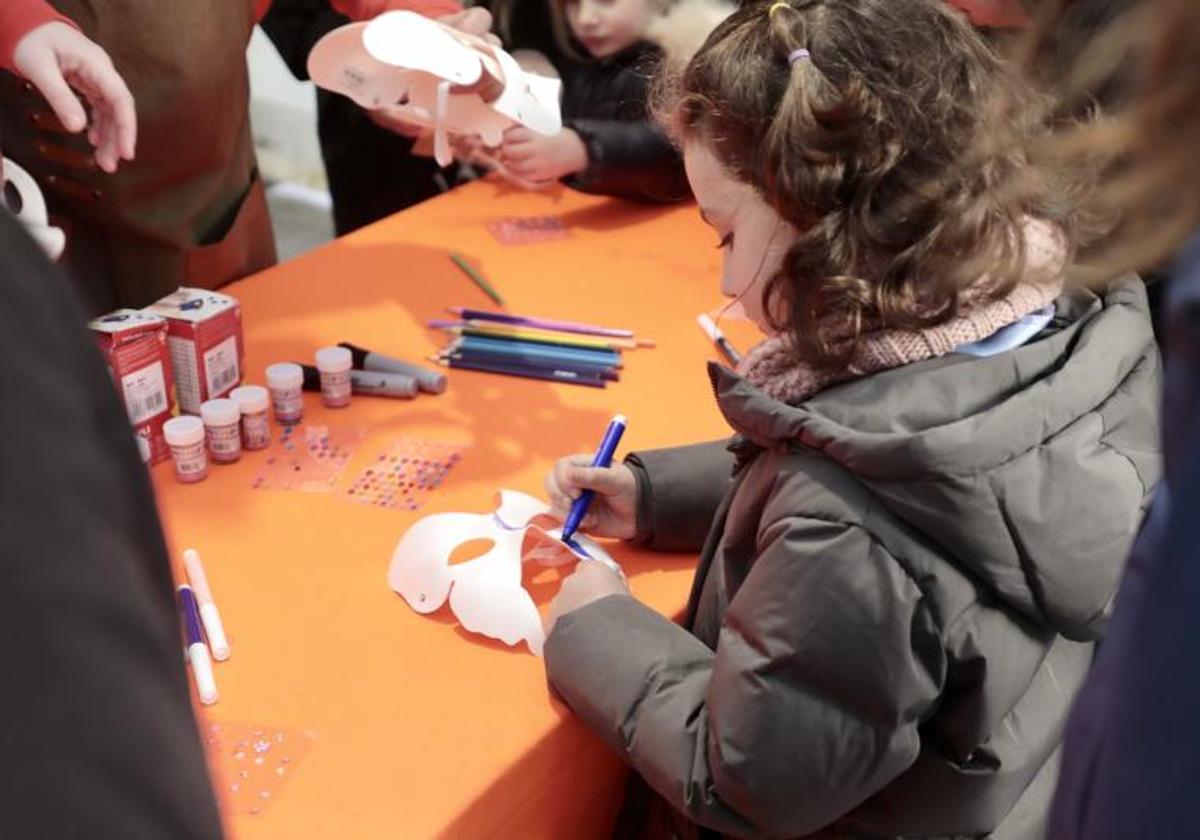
(753,238)
(606,27)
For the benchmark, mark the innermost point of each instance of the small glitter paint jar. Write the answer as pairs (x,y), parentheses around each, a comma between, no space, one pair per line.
(185,436)
(285,381)
(222,423)
(253,401)
(333,363)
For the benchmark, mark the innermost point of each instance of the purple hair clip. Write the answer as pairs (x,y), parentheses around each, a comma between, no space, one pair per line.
(796,55)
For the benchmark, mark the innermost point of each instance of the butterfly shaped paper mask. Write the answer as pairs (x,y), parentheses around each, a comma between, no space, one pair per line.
(428,74)
(485,593)
(25,199)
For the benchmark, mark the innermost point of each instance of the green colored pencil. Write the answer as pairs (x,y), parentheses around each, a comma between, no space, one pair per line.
(477,278)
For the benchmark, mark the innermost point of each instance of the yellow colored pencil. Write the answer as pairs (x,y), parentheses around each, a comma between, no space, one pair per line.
(535,334)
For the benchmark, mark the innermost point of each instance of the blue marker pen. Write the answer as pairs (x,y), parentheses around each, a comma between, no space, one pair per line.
(604,456)
(197,651)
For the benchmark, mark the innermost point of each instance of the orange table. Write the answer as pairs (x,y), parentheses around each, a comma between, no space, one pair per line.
(421,729)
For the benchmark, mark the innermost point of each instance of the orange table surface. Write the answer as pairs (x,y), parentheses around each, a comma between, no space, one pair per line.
(422,729)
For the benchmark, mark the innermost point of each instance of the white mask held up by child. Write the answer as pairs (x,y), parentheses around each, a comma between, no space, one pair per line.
(486,593)
(29,206)
(425,73)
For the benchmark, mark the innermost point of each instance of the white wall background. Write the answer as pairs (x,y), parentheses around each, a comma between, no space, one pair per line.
(283,113)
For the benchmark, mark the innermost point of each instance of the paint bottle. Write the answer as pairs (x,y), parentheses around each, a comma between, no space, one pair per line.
(222,424)
(185,437)
(285,381)
(333,363)
(253,402)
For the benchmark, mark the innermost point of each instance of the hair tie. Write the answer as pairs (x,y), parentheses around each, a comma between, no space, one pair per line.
(796,55)
(781,4)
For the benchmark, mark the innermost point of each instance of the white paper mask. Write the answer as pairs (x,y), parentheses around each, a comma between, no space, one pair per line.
(30,208)
(431,75)
(486,594)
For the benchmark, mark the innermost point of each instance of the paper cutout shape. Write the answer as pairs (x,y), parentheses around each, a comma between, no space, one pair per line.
(528,230)
(30,208)
(431,75)
(251,763)
(486,593)
(307,458)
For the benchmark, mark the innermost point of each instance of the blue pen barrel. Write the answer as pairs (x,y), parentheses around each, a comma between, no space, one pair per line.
(604,456)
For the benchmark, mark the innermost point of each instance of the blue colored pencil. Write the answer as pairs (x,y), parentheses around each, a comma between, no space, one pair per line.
(570,377)
(585,368)
(529,350)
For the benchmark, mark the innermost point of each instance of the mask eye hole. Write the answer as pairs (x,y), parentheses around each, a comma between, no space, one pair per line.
(12,197)
(471,550)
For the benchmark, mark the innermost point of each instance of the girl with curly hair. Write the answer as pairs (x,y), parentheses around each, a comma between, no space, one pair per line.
(940,458)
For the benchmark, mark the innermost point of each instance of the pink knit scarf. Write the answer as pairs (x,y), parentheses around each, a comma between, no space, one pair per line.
(774,367)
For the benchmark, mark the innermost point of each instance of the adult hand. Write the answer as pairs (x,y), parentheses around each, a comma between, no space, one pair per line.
(613,511)
(543,160)
(60,61)
(475,21)
(590,582)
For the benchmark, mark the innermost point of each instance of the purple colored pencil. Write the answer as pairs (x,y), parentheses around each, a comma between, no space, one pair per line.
(539,323)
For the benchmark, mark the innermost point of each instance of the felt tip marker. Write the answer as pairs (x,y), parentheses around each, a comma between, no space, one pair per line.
(718,338)
(429,381)
(197,651)
(604,456)
(209,615)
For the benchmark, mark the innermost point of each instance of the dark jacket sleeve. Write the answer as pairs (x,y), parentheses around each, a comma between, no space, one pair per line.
(98,736)
(827,660)
(679,491)
(629,159)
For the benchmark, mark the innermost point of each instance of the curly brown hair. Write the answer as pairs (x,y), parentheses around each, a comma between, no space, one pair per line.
(874,149)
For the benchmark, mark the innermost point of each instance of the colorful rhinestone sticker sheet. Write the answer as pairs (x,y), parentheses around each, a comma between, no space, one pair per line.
(309,458)
(528,230)
(403,476)
(252,763)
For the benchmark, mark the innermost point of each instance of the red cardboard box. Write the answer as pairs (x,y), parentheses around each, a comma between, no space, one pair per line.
(134,345)
(204,339)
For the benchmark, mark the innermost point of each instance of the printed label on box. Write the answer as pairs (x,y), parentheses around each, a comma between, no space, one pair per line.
(221,367)
(145,393)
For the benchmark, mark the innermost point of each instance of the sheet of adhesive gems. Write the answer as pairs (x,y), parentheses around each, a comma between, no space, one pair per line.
(252,763)
(403,476)
(307,458)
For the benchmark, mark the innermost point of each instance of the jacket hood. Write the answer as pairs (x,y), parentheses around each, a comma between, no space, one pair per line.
(1029,468)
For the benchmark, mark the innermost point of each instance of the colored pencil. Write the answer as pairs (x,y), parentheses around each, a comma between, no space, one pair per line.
(477,278)
(524,350)
(540,323)
(571,377)
(589,368)
(496,329)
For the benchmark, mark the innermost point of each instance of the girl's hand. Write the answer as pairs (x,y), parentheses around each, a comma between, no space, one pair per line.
(542,160)
(613,511)
(60,61)
(590,582)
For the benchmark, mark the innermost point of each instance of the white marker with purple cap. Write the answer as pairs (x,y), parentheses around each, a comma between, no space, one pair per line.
(197,651)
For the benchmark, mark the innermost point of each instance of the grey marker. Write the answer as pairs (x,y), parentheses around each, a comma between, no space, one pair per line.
(368,383)
(429,381)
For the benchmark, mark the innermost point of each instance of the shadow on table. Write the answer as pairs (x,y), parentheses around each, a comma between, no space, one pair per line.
(381,297)
(570,784)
